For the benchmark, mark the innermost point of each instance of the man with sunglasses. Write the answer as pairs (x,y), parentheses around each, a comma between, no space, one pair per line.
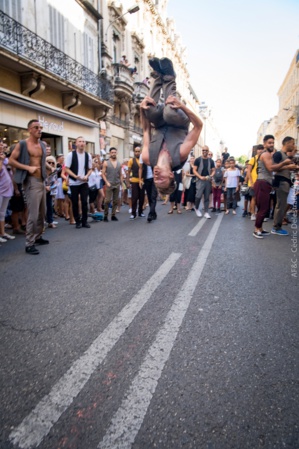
(204,169)
(29,160)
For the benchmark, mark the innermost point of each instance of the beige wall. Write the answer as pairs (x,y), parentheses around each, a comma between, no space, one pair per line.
(52,97)
(10,80)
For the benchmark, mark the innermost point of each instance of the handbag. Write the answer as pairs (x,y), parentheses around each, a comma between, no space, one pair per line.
(65,187)
(187,182)
(93,188)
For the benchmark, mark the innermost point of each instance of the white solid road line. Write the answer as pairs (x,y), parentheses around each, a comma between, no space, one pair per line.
(128,419)
(39,422)
(197,228)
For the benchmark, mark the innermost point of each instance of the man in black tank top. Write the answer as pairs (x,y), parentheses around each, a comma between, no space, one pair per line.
(282,182)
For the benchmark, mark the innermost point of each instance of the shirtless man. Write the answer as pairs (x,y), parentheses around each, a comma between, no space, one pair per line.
(29,160)
(166,140)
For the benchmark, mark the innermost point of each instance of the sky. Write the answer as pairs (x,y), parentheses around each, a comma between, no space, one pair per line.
(238,53)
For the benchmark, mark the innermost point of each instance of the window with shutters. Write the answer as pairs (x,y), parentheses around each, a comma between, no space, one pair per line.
(88,51)
(56,21)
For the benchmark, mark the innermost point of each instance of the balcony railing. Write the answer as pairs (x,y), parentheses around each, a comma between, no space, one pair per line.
(117,121)
(137,129)
(122,74)
(19,40)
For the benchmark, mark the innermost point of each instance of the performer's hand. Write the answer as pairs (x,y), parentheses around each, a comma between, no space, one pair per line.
(174,102)
(147,102)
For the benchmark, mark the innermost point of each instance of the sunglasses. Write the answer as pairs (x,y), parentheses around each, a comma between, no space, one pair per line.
(52,163)
(36,127)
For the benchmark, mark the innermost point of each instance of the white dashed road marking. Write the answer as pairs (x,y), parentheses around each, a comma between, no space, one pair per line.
(39,422)
(128,419)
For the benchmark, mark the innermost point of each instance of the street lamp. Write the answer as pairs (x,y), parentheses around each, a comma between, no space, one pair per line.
(131,10)
(205,113)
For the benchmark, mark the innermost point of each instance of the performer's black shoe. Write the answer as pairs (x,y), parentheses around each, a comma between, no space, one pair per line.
(155,64)
(166,67)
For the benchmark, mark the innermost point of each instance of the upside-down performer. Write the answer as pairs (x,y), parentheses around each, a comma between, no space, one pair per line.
(167,140)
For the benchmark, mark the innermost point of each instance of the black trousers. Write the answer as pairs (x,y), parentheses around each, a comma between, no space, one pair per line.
(137,196)
(83,191)
(151,192)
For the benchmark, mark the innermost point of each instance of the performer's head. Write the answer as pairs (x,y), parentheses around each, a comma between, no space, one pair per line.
(163,174)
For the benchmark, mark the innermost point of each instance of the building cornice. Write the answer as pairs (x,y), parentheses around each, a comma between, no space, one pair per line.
(164,30)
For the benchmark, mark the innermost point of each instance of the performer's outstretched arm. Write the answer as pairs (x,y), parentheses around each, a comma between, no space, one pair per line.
(192,137)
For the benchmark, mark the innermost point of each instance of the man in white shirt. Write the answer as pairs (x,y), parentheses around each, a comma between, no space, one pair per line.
(79,167)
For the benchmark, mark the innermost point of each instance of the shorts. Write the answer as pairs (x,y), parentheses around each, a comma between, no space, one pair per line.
(60,193)
(17,202)
(251,192)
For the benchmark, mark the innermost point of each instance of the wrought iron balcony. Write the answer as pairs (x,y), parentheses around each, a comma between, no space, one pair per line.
(140,91)
(123,81)
(117,121)
(19,40)
(137,129)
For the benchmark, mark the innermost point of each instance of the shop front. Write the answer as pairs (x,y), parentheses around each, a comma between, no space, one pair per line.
(60,128)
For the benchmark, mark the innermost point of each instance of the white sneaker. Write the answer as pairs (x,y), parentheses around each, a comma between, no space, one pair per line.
(253,217)
(2,240)
(8,237)
(207,215)
(266,219)
(130,211)
(198,213)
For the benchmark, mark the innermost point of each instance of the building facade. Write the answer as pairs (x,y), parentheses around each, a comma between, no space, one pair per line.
(48,71)
(288,95)
(61,62)
(286,122)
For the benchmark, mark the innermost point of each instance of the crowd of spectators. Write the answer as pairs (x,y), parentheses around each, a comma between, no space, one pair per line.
(213,186)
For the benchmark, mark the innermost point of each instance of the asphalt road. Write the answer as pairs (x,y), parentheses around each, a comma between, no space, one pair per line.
(181,333)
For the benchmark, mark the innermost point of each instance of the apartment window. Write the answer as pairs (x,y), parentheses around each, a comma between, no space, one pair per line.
(88,55)
(137,62)
(12,8)
(116,45)
(56,28)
